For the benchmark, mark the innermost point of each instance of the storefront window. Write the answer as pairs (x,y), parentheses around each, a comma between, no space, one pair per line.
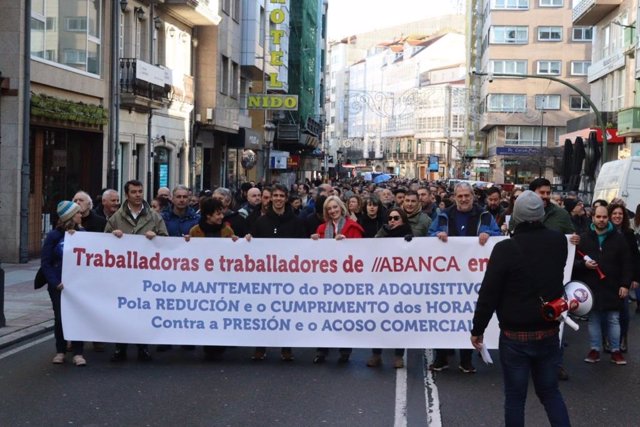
(68,33)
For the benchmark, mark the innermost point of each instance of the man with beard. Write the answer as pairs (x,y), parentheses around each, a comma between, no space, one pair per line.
(607,269)
(418,220)
(493,205)
(427,201)
(555,217)
(464,218)
(278,223)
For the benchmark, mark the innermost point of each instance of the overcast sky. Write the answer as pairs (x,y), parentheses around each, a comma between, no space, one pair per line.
(347,17)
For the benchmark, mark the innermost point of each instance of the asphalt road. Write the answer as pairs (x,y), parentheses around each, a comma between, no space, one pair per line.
(180,388)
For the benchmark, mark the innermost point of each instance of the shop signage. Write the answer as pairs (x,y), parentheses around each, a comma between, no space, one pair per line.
(517,151)
(264,101)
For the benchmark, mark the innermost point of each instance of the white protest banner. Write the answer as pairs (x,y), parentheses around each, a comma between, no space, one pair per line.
(383,293)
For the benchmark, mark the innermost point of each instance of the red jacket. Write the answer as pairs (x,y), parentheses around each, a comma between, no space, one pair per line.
(350,230)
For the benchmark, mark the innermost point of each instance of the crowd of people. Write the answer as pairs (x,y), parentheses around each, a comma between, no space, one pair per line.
(606,231)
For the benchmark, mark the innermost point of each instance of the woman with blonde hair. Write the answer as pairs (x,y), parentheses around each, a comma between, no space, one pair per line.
(337,226)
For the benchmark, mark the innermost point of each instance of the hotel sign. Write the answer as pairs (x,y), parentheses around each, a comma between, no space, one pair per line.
(276,57)
(263,101)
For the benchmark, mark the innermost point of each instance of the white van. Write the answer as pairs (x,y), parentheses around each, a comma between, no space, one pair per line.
(619,178)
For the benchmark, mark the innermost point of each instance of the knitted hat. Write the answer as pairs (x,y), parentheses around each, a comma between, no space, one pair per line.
(66,210)
(570,204)
(529,207)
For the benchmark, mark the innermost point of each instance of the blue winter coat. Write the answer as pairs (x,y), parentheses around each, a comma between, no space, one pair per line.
(480,221)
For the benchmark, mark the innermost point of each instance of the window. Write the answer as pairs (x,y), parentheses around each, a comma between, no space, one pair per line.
(582,34)
(547,102)
(457,123)
(524,135)
(224,73)
(549,34)
(508,66)
(506,103)
(509,35)
(235,12)
(76,23)
(262,22)
(226,6)
(577,102)
(72,41)
(551,3)
(549,68)
(74,56)
(580,68)
(235,79)
(510,4)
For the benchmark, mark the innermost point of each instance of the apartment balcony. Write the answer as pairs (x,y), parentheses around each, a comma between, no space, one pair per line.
(400,156)
(629,122)
(197,12)
(590,12)
(143,87)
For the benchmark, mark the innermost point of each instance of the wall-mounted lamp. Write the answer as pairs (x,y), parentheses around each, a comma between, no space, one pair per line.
(183,37)
(157,22)
(123,5)
(194,42)
(172,32)
(139,12)
(269,132)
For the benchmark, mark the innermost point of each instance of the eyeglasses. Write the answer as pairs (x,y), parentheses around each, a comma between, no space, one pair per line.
(394,218)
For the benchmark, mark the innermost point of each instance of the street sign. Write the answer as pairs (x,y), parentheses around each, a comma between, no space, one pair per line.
(517,151)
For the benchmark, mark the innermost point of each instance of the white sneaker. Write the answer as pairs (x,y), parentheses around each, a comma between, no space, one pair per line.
(58,359)
(79,360)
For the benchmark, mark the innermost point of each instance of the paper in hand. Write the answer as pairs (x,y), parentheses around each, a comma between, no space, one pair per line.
(486,357)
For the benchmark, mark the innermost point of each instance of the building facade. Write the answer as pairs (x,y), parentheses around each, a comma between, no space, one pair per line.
(521,120)
(615,70)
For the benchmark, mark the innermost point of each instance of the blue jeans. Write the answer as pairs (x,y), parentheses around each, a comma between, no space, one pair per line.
(540,360)
(612,318)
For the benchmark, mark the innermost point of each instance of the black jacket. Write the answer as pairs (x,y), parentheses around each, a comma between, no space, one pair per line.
(282,226)
(521,271)
(94,222)
(372,225)
(614,259)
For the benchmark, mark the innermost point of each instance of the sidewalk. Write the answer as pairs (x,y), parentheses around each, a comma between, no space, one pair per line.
(27,311)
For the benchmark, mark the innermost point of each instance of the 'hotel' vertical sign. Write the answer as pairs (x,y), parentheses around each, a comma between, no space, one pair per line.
(277,17)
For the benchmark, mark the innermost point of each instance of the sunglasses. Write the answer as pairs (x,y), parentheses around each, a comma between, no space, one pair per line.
(394,218)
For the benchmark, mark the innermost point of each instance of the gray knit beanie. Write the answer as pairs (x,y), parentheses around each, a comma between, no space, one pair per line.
(529,207)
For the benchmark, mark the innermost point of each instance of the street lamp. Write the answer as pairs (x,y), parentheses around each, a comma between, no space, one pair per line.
(269,136)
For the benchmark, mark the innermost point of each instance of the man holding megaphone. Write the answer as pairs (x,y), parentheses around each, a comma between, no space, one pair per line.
(524,274)
(603,262)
